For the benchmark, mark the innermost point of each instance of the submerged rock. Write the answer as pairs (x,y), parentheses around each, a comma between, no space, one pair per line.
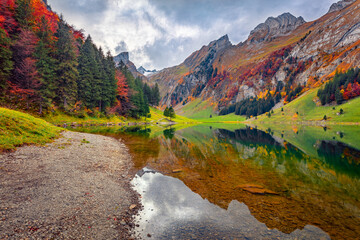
(256,189)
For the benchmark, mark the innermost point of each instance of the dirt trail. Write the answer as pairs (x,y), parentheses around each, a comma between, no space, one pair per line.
(74,188)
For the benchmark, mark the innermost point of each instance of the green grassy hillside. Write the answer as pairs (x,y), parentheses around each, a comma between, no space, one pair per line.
(18,128)
(158,116)
(197,109)
(202,111)
(304,108)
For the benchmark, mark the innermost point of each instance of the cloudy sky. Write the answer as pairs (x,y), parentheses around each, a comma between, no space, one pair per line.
(162,33)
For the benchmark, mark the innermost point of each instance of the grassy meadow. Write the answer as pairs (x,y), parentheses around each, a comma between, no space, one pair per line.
(305,109)
(17,128)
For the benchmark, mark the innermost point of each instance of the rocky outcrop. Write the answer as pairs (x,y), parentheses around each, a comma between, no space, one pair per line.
(122,57)
(274,27)
(213,47)
(340,5)
(125,59)
(141,70)
(221,43)
(199,66)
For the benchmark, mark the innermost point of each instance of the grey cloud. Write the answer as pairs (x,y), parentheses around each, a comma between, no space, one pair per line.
(121,47)
(152,29)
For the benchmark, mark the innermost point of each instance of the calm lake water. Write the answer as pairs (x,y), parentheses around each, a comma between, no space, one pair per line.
(238,182)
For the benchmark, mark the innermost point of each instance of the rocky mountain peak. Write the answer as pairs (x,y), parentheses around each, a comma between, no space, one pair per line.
(221,43)
(122,57)
(125,59)
(340,5)
(145,72)
(273,27)
(141,70)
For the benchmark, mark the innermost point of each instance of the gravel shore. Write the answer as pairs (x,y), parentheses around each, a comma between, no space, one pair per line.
(77,187)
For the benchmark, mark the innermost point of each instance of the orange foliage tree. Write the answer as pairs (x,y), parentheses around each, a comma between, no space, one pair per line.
(122,96)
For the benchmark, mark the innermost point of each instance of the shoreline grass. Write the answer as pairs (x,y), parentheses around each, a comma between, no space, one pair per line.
(17,129)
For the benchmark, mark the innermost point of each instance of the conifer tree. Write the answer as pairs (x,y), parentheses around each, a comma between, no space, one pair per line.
(166,112)
(6,63)
(86,67)
(45,64)
(108,93)
(142,105)
(99,82)
(148,94)
(138,106)
(156,95)
(8,25)
(338,96)
(67,73)
(171,112)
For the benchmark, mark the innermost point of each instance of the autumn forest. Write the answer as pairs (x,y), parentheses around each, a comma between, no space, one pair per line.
(47,64)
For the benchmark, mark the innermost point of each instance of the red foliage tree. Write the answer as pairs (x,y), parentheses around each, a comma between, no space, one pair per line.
(41,10)
(25,79)
(214,81)
(122,97)
(7,20)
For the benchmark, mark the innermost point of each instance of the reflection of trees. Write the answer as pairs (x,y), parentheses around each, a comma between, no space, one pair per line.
(138,131)
(249,136)
(169,133)
(214,166)
(340,156)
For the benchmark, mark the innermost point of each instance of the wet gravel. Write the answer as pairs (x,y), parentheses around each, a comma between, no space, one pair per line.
(77,187)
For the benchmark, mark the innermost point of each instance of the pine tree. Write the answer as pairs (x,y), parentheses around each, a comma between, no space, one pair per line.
(166,112)
(86,66)
(99,82)
(156,95)
(109,85)
(171,112)
(338,96)
(67,73)
(8,26)
(143,105)
(6,63)
(45,64)
(148,94)
(138,106)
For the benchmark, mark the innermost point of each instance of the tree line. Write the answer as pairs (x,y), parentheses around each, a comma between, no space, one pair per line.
(342,87)
(252,106)
(46,64)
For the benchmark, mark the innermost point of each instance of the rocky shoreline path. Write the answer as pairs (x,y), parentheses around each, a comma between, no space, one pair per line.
(77,187)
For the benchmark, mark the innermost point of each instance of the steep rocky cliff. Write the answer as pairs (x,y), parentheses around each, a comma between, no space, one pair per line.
(284,49)
(275,27)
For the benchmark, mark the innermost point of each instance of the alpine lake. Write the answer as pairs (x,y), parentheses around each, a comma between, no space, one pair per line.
(231,181)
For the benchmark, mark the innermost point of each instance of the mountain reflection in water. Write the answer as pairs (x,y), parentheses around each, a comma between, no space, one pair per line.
(173,211)
(293,180)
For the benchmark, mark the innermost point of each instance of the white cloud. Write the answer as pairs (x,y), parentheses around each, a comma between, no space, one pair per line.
(138,24)
(162,33)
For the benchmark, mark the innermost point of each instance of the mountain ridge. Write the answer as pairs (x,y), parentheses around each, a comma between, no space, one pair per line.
(275,26)
(340,5)
(290,51)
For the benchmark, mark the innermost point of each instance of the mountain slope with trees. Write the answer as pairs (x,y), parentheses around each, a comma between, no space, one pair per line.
(48,65)
(281,59)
